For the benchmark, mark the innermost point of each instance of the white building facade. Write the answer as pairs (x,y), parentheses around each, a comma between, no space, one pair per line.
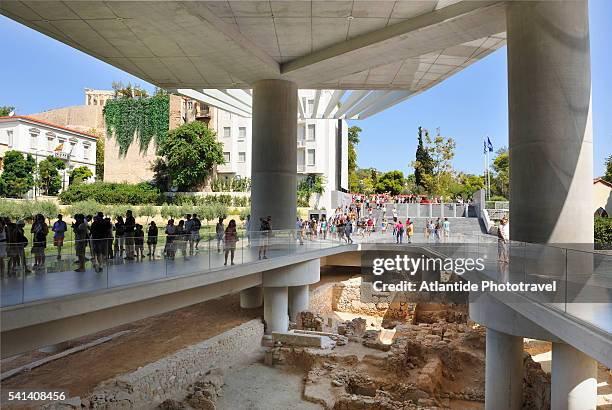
(322,146)
(41,139)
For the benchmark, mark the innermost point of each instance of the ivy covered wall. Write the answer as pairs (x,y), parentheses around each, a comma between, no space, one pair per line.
(144,119)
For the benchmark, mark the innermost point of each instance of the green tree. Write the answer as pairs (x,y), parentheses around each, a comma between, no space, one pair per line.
(608,175)
(18,175)
(423,164)
(80,174)
(49,178)
(6,110)
(437,176)
(392,182)
(500,185)
(353,140)
(190,152)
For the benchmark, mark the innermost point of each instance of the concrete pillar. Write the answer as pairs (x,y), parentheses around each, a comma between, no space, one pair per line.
(503,371)
(251,298)
(573,379)
(275,309)
(298,300)
(274,161)
(550,136)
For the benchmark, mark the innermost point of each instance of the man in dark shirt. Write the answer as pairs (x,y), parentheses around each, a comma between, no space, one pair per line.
(130,225)
(98,231)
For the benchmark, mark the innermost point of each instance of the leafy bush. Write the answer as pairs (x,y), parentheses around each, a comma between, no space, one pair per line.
(47,208)
(241,201)
(236,184)
(27,209)
(85,208)
(148,211)
(244,212)
(111,193)
(603,232)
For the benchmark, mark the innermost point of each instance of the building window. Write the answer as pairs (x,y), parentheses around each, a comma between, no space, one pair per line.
(9,139)
(310,157)
(33,141)
(242,156)
(241,133)
(311,132)
(86,152)
(310,107)
(227,132)
(301,132)
(226,157)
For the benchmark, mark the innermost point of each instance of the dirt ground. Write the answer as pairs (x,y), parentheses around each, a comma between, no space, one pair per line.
(151,339)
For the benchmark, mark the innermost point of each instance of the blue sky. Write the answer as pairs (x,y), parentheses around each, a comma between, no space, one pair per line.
(39,73)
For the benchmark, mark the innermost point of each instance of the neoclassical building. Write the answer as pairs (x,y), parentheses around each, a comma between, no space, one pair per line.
(41,139)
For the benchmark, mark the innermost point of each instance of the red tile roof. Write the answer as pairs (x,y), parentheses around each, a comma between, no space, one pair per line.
(25,117)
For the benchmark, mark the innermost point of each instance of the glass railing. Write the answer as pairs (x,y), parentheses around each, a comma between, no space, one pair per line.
(33,273)
(583,277)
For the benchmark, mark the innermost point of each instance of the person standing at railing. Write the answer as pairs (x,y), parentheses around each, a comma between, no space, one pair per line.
(446,227)
(130,226)
(230,239)
(119,237)
(503,236)
(410,230)
(39,240)
(195,231)
(169,250)
(399,232)
(80,240)
(188,228)
(139,242)
(348,231)
(152,234)
(181,238)
(265,230)
(98,232)
(219,232)
(59,232)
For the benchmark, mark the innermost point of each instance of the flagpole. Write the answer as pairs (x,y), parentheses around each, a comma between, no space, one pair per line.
(485,174)
(488,174)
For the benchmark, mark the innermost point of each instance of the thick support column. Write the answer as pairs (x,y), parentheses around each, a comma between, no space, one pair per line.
(274,162)
(574,379)
(298,300)
(275,309)
(550,137)
(251,298)
(503,371)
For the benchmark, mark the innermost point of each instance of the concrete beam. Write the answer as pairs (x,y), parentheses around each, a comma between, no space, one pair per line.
(388,100)
(227,99)
(369,100)
(333,102)
(440,29)
(352,99)
(315,109)
(207,99)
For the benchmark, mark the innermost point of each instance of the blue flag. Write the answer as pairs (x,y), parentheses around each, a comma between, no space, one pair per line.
(489,145)
(484,151)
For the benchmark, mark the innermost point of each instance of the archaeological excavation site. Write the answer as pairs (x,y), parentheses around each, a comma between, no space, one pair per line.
(353,348)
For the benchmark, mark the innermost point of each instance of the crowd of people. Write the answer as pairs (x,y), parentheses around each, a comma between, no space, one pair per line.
(380,200)
(105,239)
(123,238)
